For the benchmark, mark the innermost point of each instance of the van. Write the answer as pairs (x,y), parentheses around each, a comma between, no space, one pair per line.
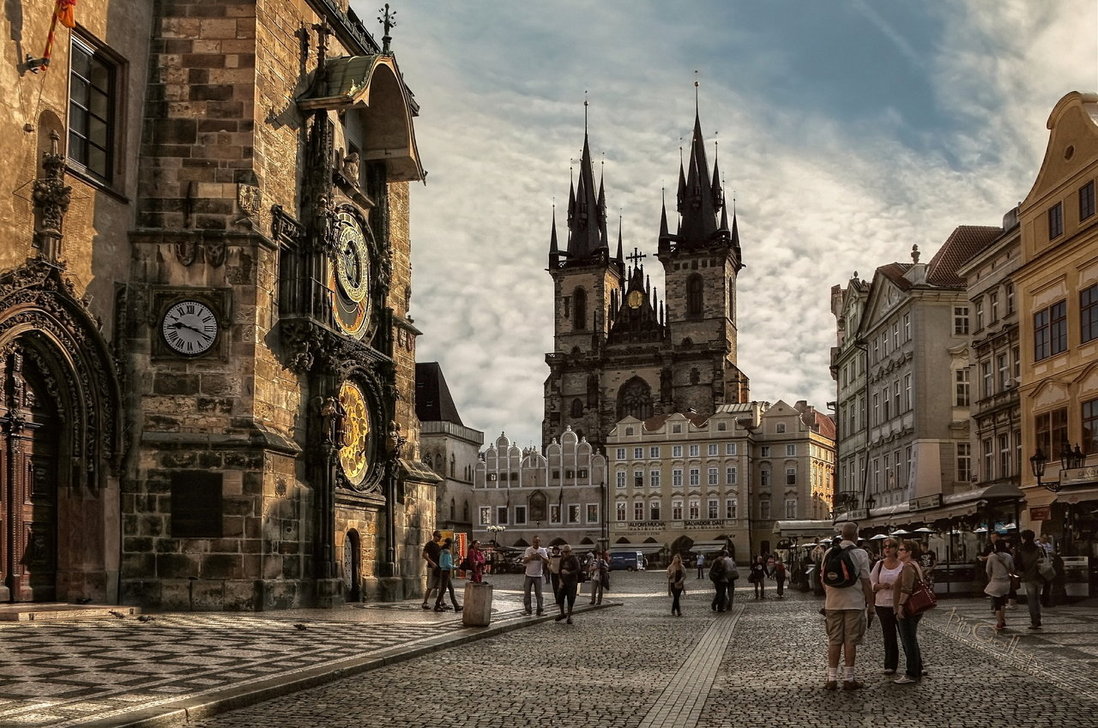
(627,560)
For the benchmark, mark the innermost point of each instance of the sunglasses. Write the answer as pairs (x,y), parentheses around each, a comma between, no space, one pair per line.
(904,548)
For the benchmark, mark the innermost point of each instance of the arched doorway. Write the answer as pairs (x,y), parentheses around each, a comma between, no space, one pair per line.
(352,566)
(31,435)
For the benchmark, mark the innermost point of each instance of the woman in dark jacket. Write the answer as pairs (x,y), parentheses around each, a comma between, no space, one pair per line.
(569,582)
(908,624)
(758,577)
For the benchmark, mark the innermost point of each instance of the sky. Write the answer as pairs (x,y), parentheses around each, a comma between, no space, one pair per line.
(846,130)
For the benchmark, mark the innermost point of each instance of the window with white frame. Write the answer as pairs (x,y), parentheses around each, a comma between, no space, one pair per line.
(730,508)
(520,515)
(485,515)
(620,475)
(730,476)
(790,508)
(695,510)
(764,451)
(907,392)
(907,327)
(694,451)
(676,477)
(713,477)
(654,451)
(653,510)
(729,448)
(620,511)
(638,453)
(988,453)
(1005,455)
(790,450)
(638,478)
(621,453)
(1002,364)
(960,378)
(592,512)
(695,476)
(676,451)
(573,513)
(714,449)
(654,478)
(790,476)
(676,510)
(960,320)
(712,512)
(554,513)
(638,510)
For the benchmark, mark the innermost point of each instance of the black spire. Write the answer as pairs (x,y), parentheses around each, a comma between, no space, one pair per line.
(699,213)
(587,224)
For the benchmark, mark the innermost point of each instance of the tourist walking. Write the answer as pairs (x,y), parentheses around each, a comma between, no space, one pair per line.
(535,559)
(676,583)
(757,576)
(731,573)
(475,557)
(1027,558)
(999,567)
(700,562)
(883,576)
(718,576)
(596,574)
(553,569)
(779,577)
(848,605)
(430,555)
(569,582)
(445,583)
(908,624)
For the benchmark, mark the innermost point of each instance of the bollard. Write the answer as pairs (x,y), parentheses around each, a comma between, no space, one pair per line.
(478,605)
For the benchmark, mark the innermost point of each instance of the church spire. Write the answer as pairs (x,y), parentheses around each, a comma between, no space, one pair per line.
(587,224)
(618,258)
(699,213)
(554,250)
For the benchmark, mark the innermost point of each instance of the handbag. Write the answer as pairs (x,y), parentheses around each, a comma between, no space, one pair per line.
(921,599)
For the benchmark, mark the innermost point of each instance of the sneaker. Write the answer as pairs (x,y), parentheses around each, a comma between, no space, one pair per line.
(905,680)
(831,685)
(853,685)
(541,612)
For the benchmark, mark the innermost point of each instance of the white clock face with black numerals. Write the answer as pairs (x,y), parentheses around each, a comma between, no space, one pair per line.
(189,328)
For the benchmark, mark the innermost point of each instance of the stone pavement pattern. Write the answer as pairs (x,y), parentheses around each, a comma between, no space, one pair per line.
(624,667)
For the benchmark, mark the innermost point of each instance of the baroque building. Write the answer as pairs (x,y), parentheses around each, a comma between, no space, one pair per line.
(617,350)
(206,356)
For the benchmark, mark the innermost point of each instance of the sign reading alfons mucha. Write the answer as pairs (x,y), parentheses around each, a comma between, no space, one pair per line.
(354,455)
(349,280)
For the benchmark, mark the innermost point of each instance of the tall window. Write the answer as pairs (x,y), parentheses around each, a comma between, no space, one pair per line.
(694,296)
(1009,298)
(964,461)
(638,510)
(654,478)
(620,511)
(791,450)
(676,477)
(638,453)
(1090,427)
(695,476)
(621,478)
(764,510)
(1002,365)
(520,515)
(1005,456)
(654,511)
(730,448)
(1050,331)
(1086,200)
(791,508)
(712,511)
(730,509)
(694,451)
(961,380)
(790,476)
(714,449)
(730,476)
(993,306)
(907,392)
(988,458)
(501,515)
(764,478)
(554,513)
(1088,314)
(695,510)
(573,513)
(579,309)
(676,510)
(987,381)
(485,515)
(1051,431)
(93,97)
(638,478)
(979,314)
(654,451)
(960,320)
(713,477)
(676,451)
(1056,221)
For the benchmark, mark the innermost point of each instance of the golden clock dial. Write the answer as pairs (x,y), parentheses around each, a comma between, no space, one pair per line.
(354,453)
(352,259)
(635,299)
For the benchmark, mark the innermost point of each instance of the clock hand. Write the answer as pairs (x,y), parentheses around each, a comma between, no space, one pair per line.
(181,325)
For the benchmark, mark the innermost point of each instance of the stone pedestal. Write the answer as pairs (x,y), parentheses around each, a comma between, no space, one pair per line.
(478,605)
(390,589)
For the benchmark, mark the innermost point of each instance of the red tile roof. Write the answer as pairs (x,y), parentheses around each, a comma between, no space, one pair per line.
(965,242)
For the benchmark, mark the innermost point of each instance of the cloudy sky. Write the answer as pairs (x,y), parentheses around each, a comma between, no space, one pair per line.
(847,131)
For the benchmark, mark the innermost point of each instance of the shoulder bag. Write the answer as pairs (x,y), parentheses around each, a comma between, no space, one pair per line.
(922,596)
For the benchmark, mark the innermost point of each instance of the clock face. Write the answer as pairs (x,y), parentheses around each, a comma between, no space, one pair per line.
(635,299)
(350,279)
(189,328)
(354,453)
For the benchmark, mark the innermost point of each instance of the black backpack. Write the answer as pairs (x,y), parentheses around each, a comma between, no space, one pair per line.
(717,570)
(839,570)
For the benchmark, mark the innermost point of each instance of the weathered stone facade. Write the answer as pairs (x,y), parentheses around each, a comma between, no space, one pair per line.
(254,174)
(619,352)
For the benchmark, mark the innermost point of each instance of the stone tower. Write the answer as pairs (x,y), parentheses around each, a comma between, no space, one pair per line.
(617,351)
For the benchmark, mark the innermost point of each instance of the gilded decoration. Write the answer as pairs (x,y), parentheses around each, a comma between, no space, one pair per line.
(354,453)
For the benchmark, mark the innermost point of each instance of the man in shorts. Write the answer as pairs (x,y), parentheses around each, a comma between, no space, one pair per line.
(430,554)
(847,612)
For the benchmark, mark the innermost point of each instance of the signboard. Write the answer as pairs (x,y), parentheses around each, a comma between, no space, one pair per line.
(712,523)
(1079,476)
(1040,513)
(926,501)
(858,514)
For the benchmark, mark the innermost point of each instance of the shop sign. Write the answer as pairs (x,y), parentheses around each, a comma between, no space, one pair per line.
(924,502)
(1040,513)
(713,523)
(1079,476)
(858,514)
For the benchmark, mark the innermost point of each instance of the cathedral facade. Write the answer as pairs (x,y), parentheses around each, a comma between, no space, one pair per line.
(617,350)
(206,357)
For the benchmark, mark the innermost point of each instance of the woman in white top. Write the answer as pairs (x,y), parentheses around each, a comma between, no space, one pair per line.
(883,576)
(999,567)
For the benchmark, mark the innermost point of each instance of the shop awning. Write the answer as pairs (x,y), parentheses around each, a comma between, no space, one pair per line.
(1076,495)
(644,548)
(709,545)
(806,528)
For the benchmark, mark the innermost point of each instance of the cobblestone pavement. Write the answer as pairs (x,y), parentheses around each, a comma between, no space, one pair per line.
(762,664)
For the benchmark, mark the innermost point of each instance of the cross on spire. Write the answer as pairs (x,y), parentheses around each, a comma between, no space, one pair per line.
(388,20)
(636,256)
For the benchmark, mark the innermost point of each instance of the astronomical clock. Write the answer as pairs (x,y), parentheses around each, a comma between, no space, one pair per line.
(350,276)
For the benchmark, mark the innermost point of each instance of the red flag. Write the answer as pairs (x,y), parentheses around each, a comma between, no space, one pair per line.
(66,10)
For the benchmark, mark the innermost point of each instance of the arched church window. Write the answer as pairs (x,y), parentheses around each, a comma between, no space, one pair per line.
(694,290)
(731,299)
(453,465)
(453,510)
(465,511)
(577,407)
(635,398)
(579,315)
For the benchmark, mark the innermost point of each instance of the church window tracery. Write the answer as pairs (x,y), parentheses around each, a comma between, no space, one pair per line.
(577,408)
(635,398)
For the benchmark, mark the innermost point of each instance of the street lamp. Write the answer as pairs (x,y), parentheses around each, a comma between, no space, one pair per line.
(1069,459)
(495,530)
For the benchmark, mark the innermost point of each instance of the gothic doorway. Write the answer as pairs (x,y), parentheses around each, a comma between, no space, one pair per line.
(352,566)
(31,435)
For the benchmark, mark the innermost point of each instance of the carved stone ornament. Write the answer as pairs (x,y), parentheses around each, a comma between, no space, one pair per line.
(249,198)
(212,252)
(51,198)
(41,318)
(284,227)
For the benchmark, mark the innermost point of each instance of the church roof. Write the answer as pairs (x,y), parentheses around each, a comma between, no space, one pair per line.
(433,400)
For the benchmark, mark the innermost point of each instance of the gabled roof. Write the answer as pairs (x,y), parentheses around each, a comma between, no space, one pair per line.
(965,242)
(433,400)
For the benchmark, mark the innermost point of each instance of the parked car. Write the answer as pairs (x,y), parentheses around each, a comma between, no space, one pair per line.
(627,561)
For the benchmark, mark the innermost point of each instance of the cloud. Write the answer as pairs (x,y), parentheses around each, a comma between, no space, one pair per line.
(821,190)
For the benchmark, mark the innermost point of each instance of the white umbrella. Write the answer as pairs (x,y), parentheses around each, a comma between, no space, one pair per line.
(878,537)
(901,532)
(924,529)
(1010,527)
(981,529)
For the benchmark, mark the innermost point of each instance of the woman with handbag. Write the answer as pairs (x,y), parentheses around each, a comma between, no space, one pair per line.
(907,623)
(676,583)
(999,567)
(883,577)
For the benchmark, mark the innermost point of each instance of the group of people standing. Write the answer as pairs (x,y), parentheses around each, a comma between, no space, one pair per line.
(1029,565)
(565,572)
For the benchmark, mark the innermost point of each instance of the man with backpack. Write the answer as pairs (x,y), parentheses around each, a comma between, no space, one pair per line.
(848,605)
(718,575)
